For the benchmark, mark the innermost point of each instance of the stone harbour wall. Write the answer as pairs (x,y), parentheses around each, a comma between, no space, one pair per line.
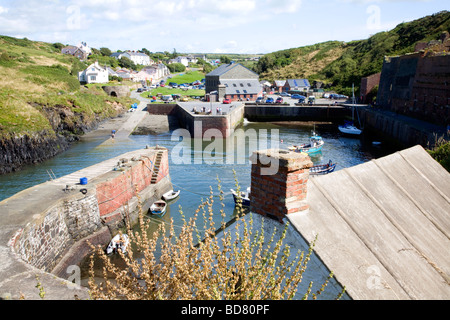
(109,200)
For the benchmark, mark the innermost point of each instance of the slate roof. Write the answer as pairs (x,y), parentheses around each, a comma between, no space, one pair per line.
(241,86)
(298,83)
(224,68)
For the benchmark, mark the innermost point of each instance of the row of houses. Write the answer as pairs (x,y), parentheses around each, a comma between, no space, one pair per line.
(97,73)
(289,85)
(81,51)
(235,82)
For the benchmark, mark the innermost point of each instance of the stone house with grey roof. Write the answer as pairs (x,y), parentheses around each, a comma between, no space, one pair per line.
(233,81)
(296,86)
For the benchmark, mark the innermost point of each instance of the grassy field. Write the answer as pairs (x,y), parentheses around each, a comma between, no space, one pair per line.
(187,77)
(35,75)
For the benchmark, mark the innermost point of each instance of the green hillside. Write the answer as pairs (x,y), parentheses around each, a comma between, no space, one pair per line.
(38,81)
(340,64)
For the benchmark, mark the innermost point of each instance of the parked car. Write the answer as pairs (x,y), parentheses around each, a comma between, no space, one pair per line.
(260,100)
(297,96)
(270,100)
(285,94)
(302,100)
(185,99)
(279,100)
(226,101)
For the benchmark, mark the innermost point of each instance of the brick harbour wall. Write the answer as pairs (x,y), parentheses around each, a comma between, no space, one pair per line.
(47,239)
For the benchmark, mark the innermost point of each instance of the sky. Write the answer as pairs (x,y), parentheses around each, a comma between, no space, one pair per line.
(206,26)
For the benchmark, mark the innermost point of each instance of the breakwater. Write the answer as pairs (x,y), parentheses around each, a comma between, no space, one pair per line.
(46,227)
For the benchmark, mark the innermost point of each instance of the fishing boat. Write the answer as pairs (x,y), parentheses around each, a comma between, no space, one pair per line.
(322,168)
(158,208)
(349,126)
(170,195)
(120,241)
(315,145)
(244,196)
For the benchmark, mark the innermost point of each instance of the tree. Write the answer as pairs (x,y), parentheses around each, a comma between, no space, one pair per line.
(176,67)
(224,59)
(241,264)
(105,52)
(124,62)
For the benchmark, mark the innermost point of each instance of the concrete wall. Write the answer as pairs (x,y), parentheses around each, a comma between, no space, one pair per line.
(297,113)
(197,125)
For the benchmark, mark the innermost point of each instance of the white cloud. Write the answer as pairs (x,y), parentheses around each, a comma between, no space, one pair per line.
(3,10)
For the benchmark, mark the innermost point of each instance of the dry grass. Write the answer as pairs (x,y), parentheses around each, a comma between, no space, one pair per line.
(242,263)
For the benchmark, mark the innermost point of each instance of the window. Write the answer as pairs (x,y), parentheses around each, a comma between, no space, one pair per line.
(237,91)
(234,85)
(93,78)
(245,91)
(242,85)
(249,84)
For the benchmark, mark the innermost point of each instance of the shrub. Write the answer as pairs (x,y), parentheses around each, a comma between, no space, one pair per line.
(240,265)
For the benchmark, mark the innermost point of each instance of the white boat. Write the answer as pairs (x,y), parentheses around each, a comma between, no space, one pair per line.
(170,195)
(158,208)
(120,241)
(349,127)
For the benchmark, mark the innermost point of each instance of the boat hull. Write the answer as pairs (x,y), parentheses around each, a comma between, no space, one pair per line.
(350,130)
(244,198)
(171,195)
(158,208)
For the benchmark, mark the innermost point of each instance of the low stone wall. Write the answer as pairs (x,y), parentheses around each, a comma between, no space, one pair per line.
(117,91)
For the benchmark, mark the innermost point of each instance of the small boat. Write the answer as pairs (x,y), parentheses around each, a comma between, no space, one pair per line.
(158,207)
(170,195)
(349,128)
(315,145)
(244,196)
(322,168)
(120,241)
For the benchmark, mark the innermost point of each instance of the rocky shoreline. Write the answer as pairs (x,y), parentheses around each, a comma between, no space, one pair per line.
(31,148)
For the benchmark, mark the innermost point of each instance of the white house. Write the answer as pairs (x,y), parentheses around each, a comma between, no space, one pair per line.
(156,72)
(136,57)
(94,74)
(180,59)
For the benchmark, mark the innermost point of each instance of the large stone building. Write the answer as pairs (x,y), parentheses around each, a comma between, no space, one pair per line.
(233,81)
(418,84)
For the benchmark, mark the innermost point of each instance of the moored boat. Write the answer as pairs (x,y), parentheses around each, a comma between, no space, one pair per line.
(322,168)
(244,196)
(158,208)
(120,241)
(170,195)
(349,128)
(315,145)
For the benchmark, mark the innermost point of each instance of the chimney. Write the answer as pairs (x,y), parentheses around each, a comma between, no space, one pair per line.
(279,182)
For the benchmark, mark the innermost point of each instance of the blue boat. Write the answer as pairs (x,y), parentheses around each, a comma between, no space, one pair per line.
(315,145)
(244,197)
(322,168)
